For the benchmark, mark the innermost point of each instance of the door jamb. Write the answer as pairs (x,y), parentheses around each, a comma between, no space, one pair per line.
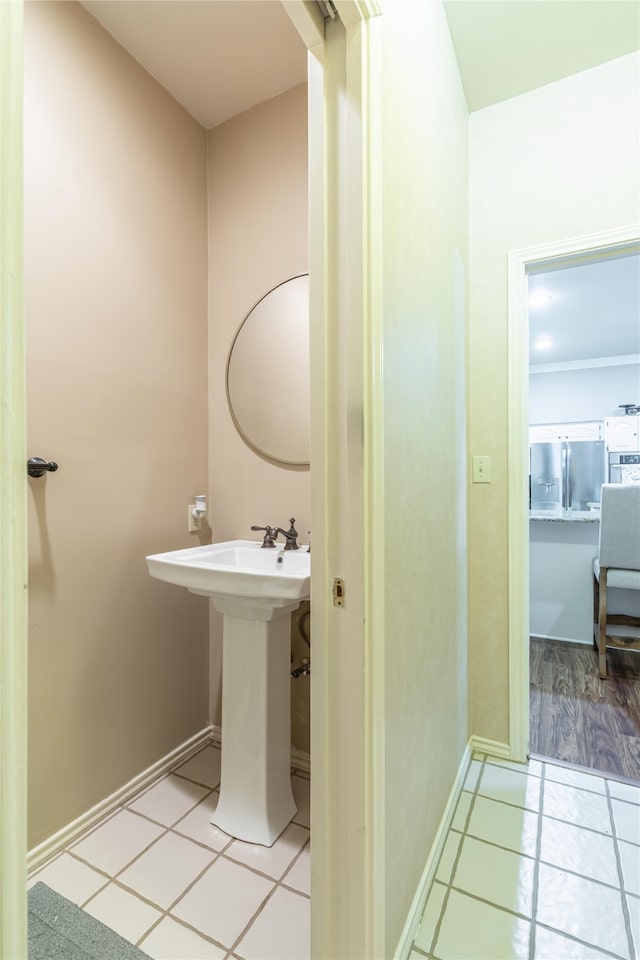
(13,498)
(518,446)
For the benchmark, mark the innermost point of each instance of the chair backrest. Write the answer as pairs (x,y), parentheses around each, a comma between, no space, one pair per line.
(620,526)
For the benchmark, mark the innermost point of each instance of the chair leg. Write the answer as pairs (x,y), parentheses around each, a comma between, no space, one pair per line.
(602,624)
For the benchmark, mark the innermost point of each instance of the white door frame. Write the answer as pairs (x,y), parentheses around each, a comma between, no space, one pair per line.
(518,465)
(13,498)
(347,742)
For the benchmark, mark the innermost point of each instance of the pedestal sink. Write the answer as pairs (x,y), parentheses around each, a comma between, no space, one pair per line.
(256,590)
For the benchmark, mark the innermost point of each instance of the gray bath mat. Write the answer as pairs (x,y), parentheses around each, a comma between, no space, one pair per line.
(59,930)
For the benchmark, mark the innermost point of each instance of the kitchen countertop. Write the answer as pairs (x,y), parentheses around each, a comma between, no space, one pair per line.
(573,516)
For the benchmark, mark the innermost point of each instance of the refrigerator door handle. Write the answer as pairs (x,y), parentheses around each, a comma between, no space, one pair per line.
(564,477)
(569,488)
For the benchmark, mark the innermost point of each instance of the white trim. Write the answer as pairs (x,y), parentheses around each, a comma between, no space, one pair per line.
(420,897)
(518,513)
(545,636)
(624,360)
(307,18)
(13,498)
(493,748)
(62,838)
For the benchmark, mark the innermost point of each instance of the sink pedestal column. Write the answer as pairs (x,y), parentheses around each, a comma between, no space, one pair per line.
(256,802)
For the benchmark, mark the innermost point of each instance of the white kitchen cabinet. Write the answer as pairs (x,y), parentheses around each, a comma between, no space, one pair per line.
(622,433)
(548,432)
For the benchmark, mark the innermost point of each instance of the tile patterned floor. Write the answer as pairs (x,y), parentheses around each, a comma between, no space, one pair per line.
(542,863)
(159,874)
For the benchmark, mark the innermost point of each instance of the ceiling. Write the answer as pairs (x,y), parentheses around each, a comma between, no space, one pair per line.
(219,58)
(507,47)
(593,311)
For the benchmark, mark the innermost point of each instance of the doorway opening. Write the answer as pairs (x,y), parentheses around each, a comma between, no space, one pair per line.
(573,307)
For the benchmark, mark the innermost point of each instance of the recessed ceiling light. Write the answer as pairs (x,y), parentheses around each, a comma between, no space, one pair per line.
(537,299)
(543,343)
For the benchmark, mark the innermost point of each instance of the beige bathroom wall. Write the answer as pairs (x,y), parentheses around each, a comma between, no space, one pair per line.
(115,266)
(554,164)
(257,170)
(424,137)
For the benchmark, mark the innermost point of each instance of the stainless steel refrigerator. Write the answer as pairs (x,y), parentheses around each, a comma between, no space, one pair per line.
(566,475)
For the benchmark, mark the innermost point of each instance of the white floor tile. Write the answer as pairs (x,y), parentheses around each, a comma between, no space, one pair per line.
(472,929)
(272,860)
(448,856)
(170,940)
(504,825)
(301,795)
(580,807)
(533,767)
(462,810)
(430,917)
(575,778)
(626,817)
(223,901)
(203,768)
(281,931)
(197,825)
(69,877)
(581,851)
(582,908)
(169,799)
(123,912)
(624,791)
(510,786)
(117,842)
(501,876)
(551,945)
(299,876)
(162,873)
(630,860)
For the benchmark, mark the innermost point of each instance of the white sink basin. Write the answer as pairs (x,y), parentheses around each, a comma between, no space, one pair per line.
(256,589)
(240,573)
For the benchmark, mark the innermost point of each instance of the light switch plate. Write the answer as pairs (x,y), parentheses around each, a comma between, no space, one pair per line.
(481,470)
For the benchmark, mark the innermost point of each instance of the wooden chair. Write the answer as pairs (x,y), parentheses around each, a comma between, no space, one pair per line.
(616,566)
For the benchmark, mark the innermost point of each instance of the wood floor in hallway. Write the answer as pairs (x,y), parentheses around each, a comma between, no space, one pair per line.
(578,718)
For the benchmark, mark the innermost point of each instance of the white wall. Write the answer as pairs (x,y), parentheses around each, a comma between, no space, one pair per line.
(556,163)
(589,394)
(424,140)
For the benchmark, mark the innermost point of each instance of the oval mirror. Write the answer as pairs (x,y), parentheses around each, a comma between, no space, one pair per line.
(268,374)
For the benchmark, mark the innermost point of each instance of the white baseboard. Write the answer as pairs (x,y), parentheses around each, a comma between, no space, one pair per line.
(420,898)
(550,636)
(495,748)
(58,841)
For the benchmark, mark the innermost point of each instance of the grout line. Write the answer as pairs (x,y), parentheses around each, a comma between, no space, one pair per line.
(536,868)
(582,943)
(625,906)
(438,926)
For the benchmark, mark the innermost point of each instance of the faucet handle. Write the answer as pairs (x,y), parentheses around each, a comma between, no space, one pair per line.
(270,534)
